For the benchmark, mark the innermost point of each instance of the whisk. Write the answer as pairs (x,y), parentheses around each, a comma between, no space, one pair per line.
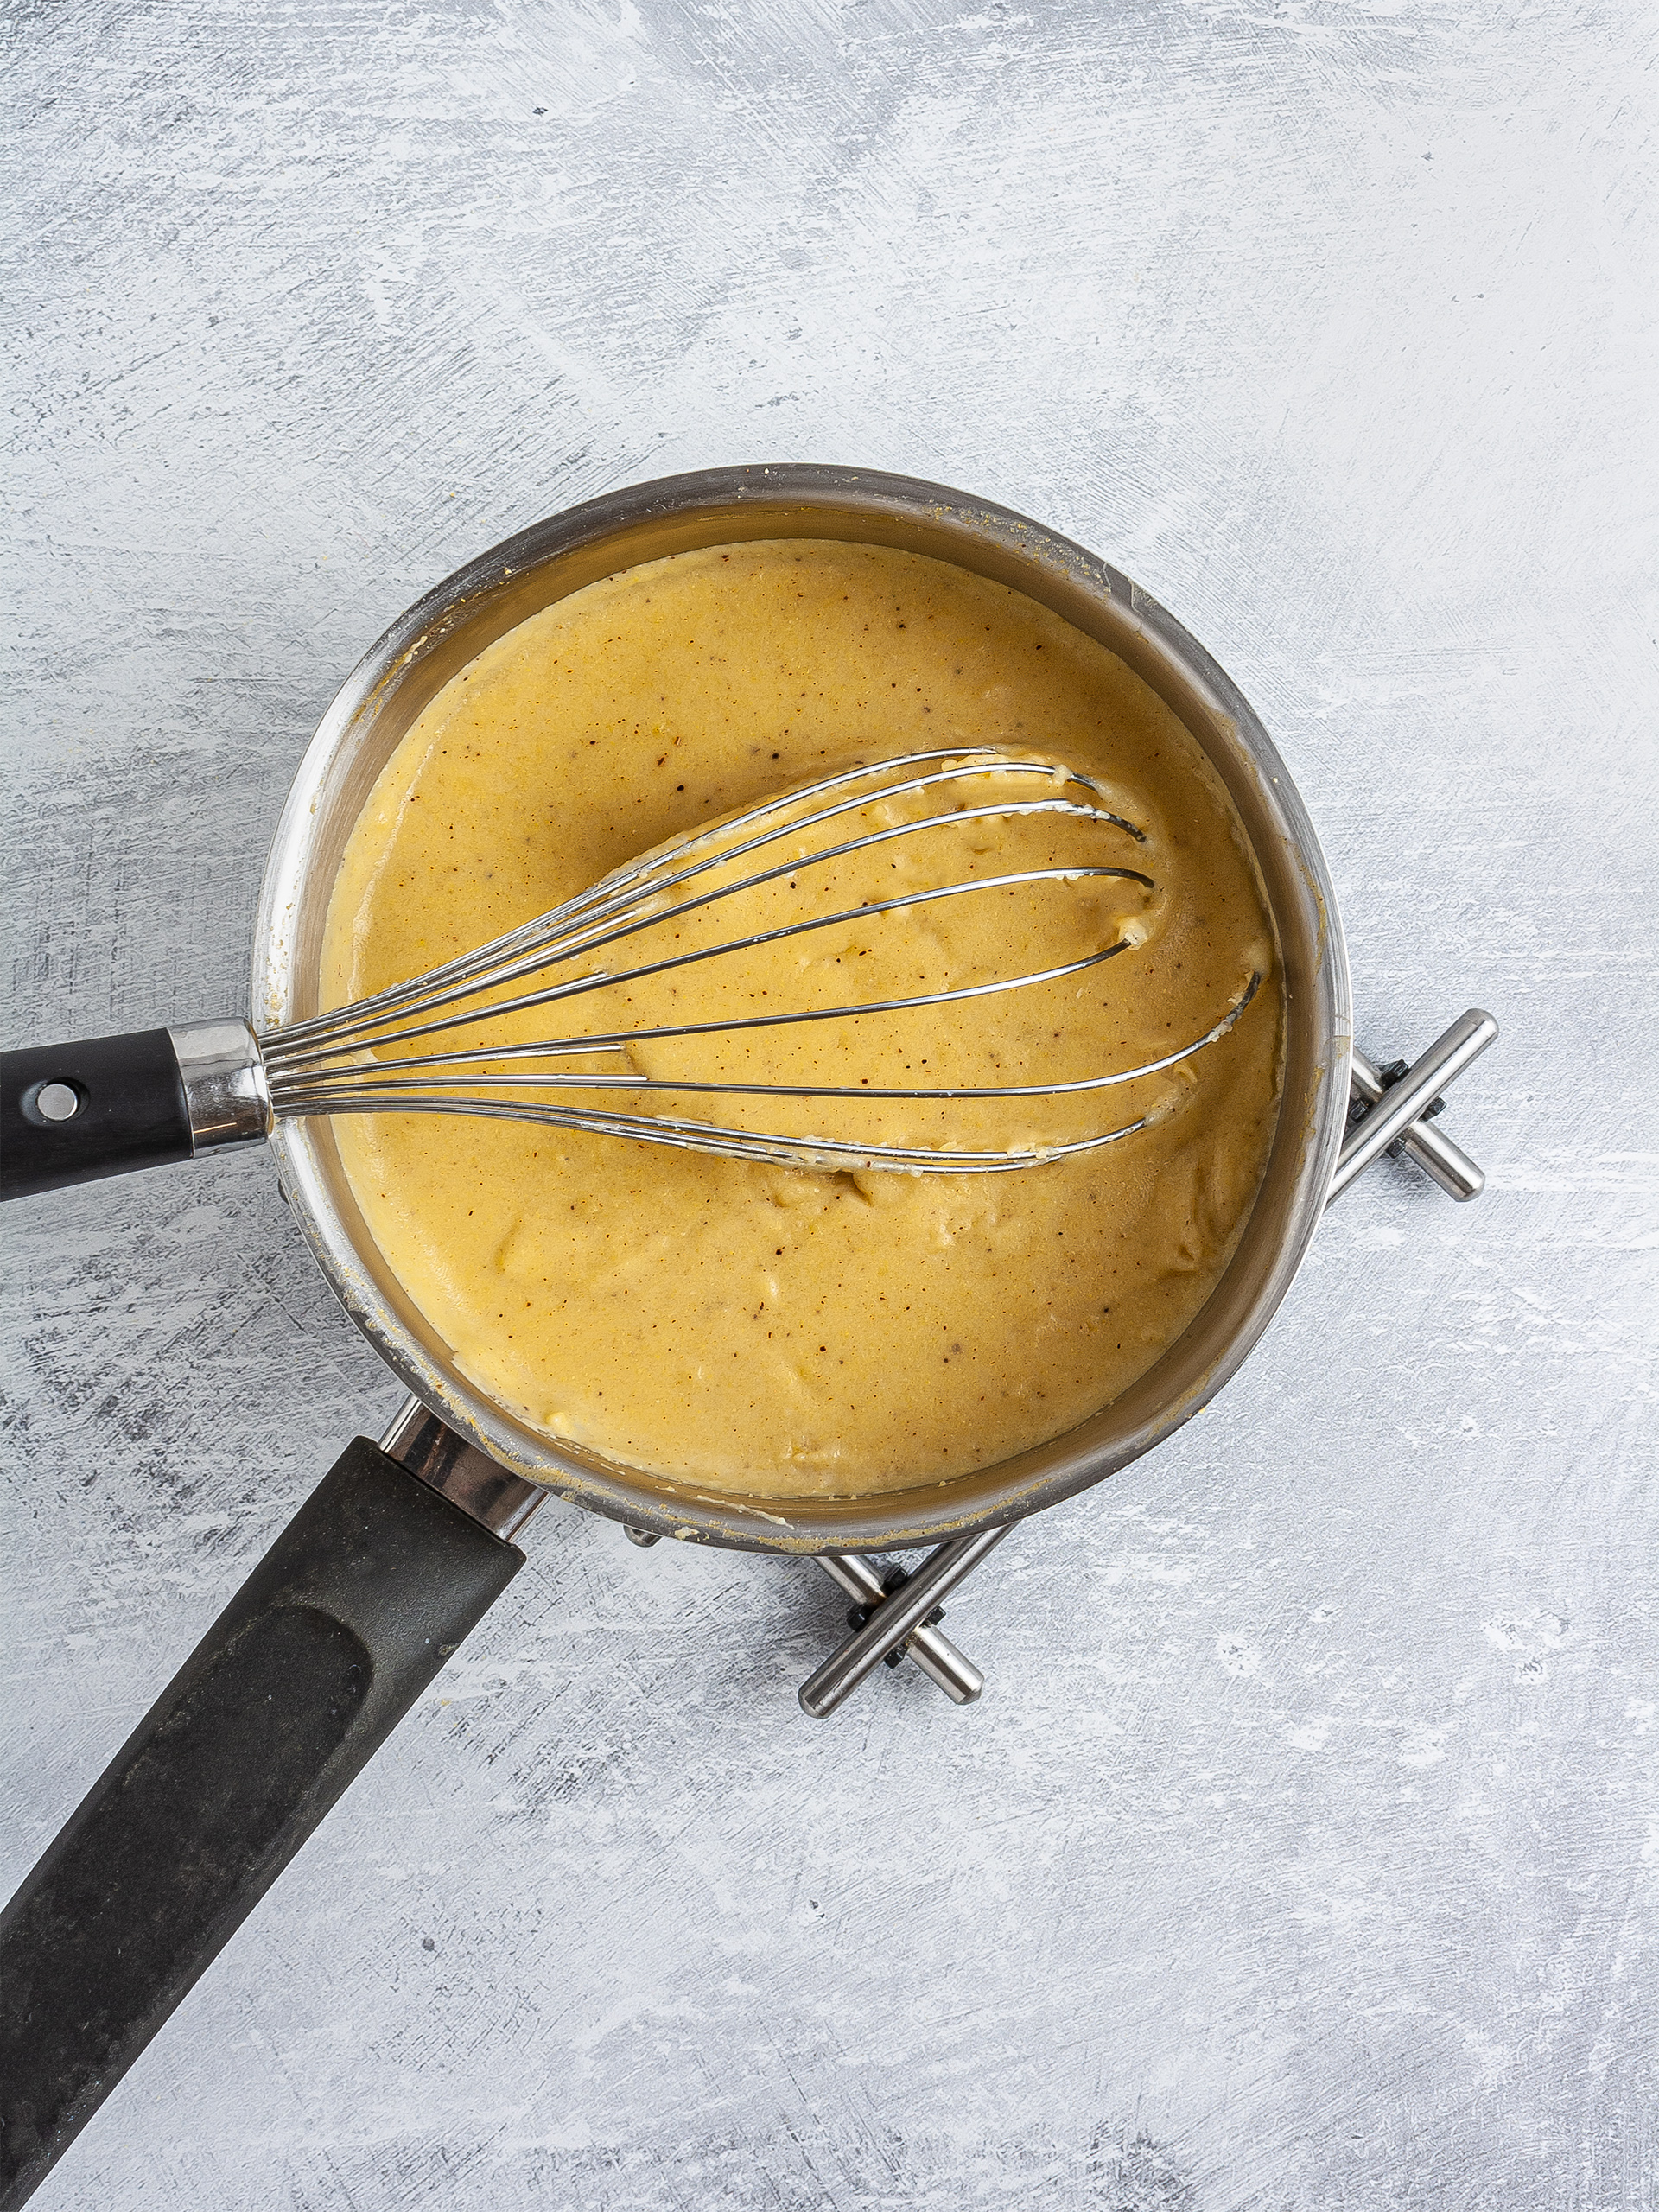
(326,1064)
(71,1113)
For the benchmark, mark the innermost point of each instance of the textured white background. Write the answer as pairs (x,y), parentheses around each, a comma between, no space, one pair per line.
(1303,1851)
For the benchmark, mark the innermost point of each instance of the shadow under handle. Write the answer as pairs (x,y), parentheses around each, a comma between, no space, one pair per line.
(333,1637)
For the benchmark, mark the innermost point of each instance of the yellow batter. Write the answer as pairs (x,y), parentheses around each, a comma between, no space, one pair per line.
(780,1331)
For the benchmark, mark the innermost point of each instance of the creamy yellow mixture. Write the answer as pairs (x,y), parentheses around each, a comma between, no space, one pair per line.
(784,1332)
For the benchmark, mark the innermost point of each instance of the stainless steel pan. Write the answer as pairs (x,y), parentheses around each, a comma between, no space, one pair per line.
(401,1549)
(448,628)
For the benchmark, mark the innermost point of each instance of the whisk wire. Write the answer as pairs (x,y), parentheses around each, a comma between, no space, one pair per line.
(577,987)
(498,964)
(327,1065)
(388,1086)
(751,1145)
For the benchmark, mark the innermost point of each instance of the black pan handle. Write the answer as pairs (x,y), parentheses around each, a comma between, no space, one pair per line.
(344,1621)
(71,1113)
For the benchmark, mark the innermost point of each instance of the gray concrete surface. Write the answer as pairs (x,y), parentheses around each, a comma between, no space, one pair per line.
(1303,1851)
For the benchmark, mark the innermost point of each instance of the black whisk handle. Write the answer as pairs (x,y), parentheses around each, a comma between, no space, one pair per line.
(73,1113)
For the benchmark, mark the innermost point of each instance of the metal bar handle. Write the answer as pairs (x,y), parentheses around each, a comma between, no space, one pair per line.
(1403,1102)
(896,1620)
(937,1657)
(1442,1162)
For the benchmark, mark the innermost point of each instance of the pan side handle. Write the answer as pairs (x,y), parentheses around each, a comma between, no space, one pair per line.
(333,1637)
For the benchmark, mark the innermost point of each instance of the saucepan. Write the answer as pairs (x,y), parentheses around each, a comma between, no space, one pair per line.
(404,1545)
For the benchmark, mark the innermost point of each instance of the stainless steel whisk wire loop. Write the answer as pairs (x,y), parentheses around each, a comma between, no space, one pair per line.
(624,888)
(321,1065)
